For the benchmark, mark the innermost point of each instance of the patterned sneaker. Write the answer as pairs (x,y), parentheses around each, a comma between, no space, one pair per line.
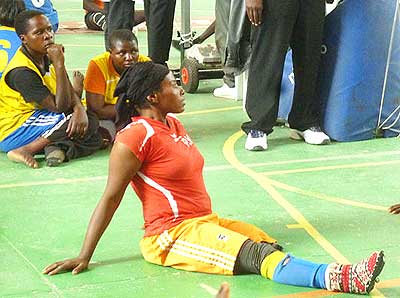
(256,140)
(314,136)
(358,278)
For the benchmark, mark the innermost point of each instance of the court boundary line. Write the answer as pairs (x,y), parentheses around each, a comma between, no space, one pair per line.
(266,183)
(54,289)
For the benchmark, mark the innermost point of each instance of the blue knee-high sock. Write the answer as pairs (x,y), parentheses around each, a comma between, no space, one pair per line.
(299,272)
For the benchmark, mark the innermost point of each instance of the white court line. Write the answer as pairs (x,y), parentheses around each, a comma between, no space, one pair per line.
(209,289)
(52,286)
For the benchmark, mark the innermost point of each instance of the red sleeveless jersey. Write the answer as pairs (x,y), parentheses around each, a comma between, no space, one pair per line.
(170,182)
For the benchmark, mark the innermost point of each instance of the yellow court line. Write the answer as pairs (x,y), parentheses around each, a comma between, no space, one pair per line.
(295,226)
(317,293)
(327,158)
(266,184)
(336,167)
(392,283)
(210,111)
(325,197)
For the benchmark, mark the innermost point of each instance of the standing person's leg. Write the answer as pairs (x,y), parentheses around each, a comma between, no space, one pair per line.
(159,20)
(306,47)
(222,9)
(271,41)
(304,117)
(222,12)
(120,15)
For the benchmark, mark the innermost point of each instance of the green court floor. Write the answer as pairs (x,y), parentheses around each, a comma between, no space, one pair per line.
(323,203)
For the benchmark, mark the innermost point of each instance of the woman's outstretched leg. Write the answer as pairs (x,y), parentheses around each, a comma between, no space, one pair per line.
(264,259)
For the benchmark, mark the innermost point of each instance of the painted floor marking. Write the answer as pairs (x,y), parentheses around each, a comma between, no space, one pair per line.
(392,283)
(326,197)
(267,185)
(209,289)
(52,286)
(210,111)
(335,167)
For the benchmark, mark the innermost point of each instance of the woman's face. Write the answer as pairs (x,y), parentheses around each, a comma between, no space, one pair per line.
(39,34)
(171,97)
(124,54)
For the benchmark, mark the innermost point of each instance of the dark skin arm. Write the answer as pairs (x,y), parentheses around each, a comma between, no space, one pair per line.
(61,102)
(95,103)
(254,9)
(206,34)
(395,209)
(79,122)
(65,98)
(123,165)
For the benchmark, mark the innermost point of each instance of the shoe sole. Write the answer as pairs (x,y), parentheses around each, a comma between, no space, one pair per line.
(298,136)
(53,162)
(377,270)
(256,148)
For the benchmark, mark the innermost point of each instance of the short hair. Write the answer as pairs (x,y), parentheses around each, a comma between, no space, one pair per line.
(137,82)
(9,9)
(22,20)
(121,35)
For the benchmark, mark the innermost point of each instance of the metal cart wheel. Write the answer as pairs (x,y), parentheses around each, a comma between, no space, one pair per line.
(189,75)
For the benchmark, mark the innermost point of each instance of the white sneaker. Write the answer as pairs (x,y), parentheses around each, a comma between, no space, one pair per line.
(314,136)
(256,141)
(225,91)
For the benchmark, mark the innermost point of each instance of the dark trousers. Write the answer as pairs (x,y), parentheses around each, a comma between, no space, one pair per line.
(120,15)
(222,12)
(76,147)
(298,24)
(159,20)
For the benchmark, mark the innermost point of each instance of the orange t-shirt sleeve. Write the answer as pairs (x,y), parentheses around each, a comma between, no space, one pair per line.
(94,79)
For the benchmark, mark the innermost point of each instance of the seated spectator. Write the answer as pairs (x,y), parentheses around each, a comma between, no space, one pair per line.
(95,17)
(103,74)
(10,41)
(47,8)
(34,114)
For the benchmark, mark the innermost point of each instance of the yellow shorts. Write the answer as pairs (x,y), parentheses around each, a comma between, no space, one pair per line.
(206,244)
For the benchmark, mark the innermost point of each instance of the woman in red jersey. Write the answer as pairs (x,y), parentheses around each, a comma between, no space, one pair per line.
(153,153)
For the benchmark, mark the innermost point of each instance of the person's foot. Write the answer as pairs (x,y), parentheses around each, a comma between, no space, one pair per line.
(314,136)
(225,91)
(395,209)
(55,158)
(358,278)
(22,156)
(224,291)
(256,141)
(77,82)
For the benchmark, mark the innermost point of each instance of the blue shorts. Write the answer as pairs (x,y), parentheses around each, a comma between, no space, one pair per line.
(42,123)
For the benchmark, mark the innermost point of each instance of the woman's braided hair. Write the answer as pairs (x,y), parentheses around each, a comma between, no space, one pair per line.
(136,83)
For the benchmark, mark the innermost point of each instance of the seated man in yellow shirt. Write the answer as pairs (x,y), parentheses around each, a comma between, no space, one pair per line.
(103,74)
